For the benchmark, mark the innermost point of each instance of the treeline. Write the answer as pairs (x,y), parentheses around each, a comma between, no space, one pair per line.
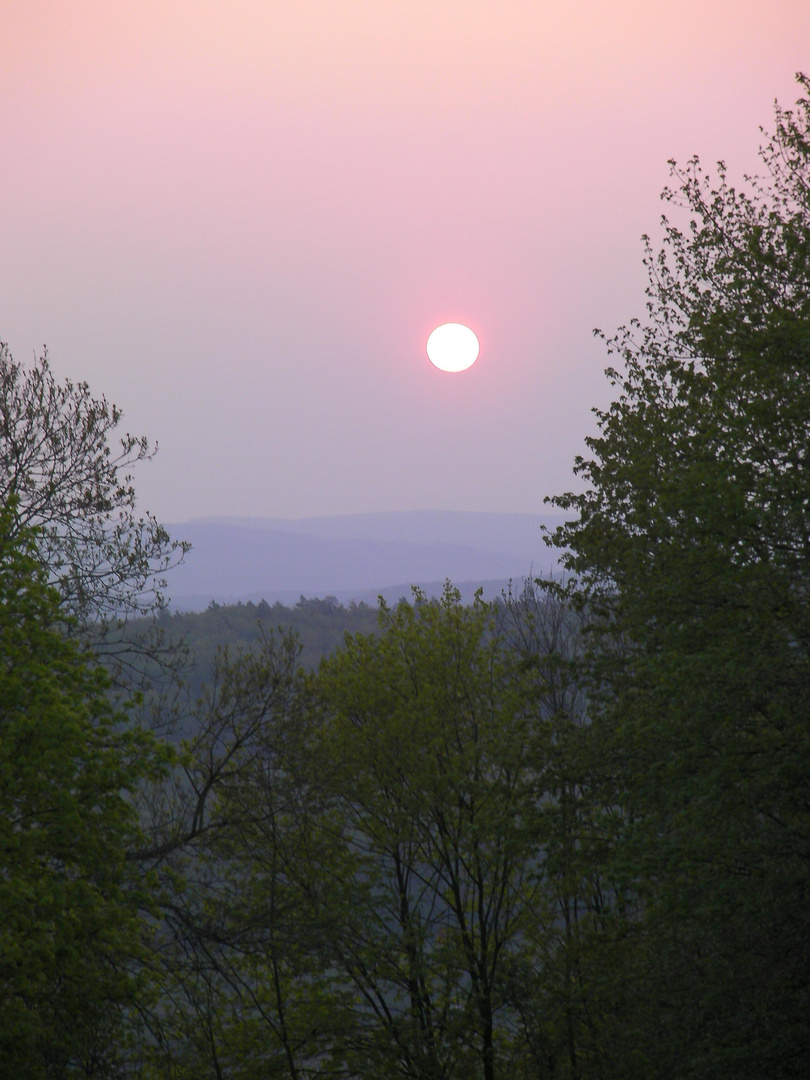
(320,625)
(565,837)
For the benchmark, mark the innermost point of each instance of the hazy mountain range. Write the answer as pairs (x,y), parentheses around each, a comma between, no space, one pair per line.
(356,557)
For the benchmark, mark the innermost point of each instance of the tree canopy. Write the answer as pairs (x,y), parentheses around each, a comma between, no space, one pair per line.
(691,547)
(70,481)
(388,885)
(69,764)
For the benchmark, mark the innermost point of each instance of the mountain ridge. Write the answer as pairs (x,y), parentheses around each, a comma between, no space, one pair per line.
(354,557)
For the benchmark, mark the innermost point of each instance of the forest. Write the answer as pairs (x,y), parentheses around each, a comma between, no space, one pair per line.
(319,625)
(565,836)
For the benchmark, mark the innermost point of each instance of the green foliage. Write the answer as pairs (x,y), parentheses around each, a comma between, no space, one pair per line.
(57,463)
(692,548)
(69,931)
(65,475)
(386,881)
(436,779)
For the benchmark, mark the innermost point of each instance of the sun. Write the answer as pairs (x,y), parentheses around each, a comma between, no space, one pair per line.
(452,347)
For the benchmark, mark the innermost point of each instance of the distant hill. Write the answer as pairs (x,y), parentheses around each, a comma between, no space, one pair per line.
(320,626)
(355,557)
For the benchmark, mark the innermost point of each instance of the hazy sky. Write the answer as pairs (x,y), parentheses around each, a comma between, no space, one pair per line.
(240,221)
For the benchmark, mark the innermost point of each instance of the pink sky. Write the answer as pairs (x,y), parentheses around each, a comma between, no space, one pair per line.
(241,220)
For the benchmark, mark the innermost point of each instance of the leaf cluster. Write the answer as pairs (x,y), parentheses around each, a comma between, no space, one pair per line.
(69,763)
(691,550)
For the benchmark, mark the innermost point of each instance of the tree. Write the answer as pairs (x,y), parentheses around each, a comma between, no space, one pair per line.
(434,767)
(234,952)
(57,462)
(384,883)
(692,548)
(70,949)
(569,1003)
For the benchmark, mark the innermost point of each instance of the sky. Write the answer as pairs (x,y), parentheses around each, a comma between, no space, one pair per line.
(240,222)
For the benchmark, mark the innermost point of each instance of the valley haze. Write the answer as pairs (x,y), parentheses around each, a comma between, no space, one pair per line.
(356,557)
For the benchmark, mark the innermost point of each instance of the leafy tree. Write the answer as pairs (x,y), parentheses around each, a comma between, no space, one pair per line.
(692,548)
(435,781)
(567,992)
(58,464)
(70,929)
(384,881)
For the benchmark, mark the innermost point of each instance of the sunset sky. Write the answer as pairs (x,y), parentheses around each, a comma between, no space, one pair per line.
(240,221)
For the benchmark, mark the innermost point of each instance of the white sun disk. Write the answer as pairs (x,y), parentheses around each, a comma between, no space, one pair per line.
(452,347)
